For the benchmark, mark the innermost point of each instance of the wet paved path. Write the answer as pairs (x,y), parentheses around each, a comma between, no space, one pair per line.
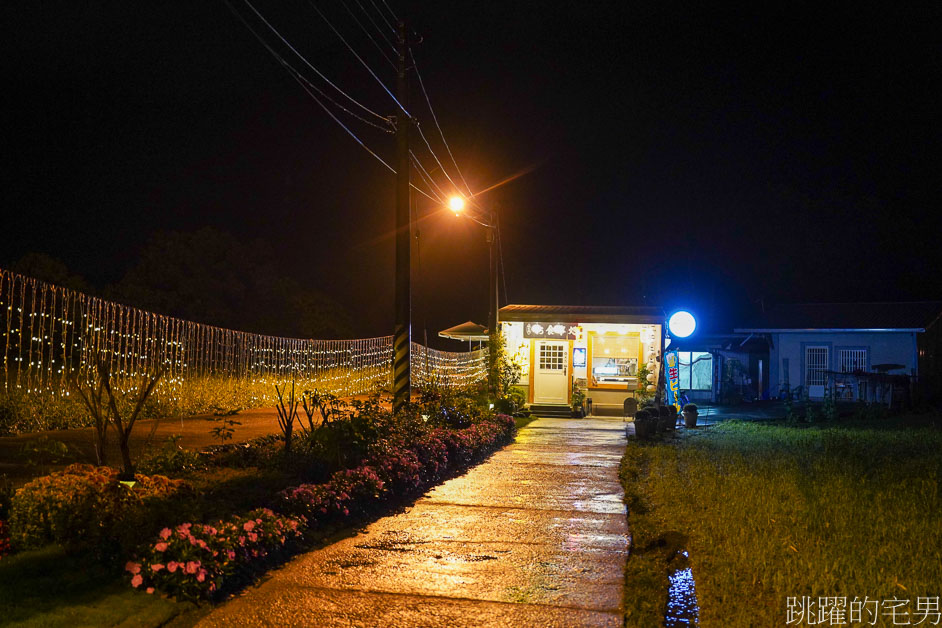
(536,536)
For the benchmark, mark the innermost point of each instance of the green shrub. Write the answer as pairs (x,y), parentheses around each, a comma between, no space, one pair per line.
(86,509)
(171,459)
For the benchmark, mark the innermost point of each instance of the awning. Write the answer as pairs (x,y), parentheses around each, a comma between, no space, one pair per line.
(466,331)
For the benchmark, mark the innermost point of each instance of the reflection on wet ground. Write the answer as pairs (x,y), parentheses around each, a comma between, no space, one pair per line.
(537,535)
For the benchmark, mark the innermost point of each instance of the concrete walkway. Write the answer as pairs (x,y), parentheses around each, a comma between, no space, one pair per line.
(536,536)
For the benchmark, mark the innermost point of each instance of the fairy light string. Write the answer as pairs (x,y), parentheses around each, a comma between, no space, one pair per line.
(52,333)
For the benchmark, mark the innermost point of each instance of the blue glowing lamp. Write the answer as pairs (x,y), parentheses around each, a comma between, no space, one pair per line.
(681,324)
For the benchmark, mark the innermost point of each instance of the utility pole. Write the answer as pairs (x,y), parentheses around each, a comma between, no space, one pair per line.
(402,334)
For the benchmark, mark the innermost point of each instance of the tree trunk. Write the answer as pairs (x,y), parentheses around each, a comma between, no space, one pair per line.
(127,473)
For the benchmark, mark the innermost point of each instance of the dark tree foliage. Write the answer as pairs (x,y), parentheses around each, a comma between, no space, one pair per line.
(210,276)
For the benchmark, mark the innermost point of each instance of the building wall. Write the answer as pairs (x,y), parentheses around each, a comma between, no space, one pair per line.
(883,348)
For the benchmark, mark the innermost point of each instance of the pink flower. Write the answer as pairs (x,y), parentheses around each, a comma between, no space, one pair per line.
(231,554)
(132,567)
(136,581)
(192,566)
(156,567)
(173,565)
(160,547)
(249,526)
(253,537)
(165,533)
(201,575)
(241,540)
(150,590)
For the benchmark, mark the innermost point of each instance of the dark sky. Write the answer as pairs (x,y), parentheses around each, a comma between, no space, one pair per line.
(677,155)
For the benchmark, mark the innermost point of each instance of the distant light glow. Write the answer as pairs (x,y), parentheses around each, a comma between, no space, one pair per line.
(456,203)
(681,324)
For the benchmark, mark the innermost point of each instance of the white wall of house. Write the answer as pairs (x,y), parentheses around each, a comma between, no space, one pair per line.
(789,354)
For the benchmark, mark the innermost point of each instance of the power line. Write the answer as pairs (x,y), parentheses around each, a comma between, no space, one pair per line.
(308,63)
(415,67)
(307,86)
(298,76)
(375,25)
(359,58)
(367,33)
(391,12)
(429,180)
(437,160)
(383,17)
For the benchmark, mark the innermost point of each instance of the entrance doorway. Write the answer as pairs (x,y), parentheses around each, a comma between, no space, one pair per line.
(551,376)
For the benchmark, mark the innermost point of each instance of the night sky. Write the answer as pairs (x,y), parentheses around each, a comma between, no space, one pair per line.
(717,158)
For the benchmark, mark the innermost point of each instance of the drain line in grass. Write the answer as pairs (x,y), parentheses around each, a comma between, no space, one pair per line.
(682,609)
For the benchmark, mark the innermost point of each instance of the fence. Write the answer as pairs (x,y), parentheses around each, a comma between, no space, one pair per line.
(49,333)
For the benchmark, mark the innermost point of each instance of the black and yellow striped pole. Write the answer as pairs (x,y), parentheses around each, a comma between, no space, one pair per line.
(402,332)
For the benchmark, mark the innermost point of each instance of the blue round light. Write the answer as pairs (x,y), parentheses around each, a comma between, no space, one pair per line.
(681,324)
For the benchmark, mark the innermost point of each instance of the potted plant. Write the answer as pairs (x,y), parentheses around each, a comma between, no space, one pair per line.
(690,415)
(578,400)
(645,423)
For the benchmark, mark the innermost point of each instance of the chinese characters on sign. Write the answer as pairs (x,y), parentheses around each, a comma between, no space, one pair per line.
(672,370)
(839,611)
(558,331)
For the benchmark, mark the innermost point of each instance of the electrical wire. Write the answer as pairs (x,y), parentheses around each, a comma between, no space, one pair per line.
(375,25)
(308,63)
(383,17)
(391,12)
(367,33)
(415,67)
(359,58)
(298,76)
(437,160)
(429,180)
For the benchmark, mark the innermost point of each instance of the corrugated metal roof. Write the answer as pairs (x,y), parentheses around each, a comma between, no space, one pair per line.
(916,315)
(583,313)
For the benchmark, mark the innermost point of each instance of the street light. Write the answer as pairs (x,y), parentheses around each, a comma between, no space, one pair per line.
(488,220)
(456,203)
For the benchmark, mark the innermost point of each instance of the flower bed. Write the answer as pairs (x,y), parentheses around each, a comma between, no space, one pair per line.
(198,561)
(86,508)
(210,560)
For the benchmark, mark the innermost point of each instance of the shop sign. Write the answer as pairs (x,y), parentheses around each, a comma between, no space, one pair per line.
(559,331)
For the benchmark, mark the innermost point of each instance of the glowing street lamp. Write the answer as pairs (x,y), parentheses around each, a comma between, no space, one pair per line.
(681,324)
(456,204)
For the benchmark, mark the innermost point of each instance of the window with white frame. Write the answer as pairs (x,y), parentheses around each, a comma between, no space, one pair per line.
(852,360)
(696,370)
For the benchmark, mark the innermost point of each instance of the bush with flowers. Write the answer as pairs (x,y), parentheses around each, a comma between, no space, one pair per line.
(402,454)
(86,508)
(202,561)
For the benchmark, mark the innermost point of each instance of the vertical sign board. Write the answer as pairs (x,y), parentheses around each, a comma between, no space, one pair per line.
(673,378)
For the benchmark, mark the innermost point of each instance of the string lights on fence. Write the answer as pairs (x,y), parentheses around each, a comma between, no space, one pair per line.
(51,333)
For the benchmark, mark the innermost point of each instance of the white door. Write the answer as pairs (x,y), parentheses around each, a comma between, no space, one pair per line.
(551,378)
(816,366)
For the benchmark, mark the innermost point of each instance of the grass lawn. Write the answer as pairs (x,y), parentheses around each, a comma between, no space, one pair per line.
(770,511)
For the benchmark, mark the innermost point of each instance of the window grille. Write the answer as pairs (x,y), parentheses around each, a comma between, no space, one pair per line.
(852,360)
(816,365)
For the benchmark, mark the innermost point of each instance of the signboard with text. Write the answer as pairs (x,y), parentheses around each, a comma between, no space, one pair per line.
(672,372)
(551,331)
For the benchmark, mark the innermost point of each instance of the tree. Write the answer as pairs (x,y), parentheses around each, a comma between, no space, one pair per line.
(210,276)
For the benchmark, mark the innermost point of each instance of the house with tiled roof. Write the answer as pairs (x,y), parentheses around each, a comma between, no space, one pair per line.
(848,349)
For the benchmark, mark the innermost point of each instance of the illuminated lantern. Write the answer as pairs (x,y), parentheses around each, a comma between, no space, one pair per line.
(651,377)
